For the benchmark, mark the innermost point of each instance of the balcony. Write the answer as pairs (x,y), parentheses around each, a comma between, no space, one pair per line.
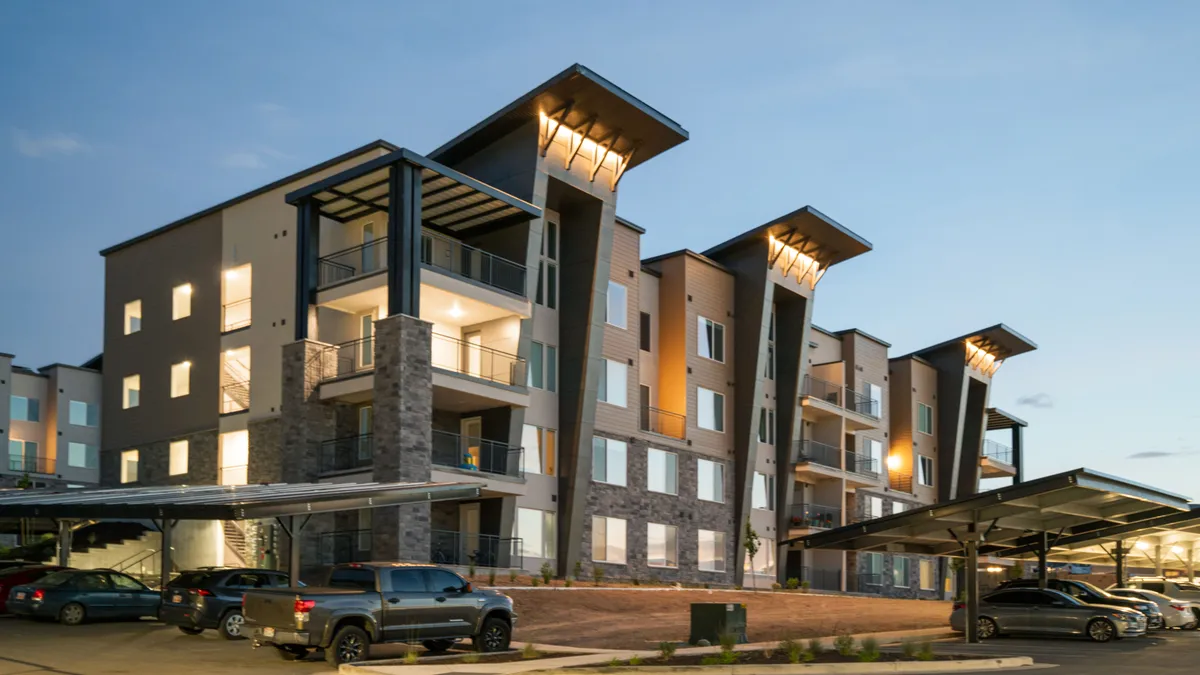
(32,464)
(822,399)
(347,454)
(356,261)
(861,470)
(663,423)
(235,315)
(344,546)
(348,359)
(468,453)
(447,547)
(816,461)
(996,460)
(815,516)
(235,397)
(475,360)
(456,258)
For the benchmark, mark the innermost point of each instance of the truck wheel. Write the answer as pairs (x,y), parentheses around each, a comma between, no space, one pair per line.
(291,652)
(349,644)
(493,637)
(438,646)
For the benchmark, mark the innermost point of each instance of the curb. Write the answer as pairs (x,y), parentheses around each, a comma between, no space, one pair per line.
(812,669)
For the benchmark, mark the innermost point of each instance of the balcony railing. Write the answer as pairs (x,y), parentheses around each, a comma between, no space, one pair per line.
(345,454)
(348,358)
(662,422)
(235,315)
(344,546)
(841,396)
(476,454)
(816,515)
(235,397)
(458,258)
(352,262)
(997,451)
(32,464)
(472,359)
(235,475)
(869,582)
(821,580)
(861,464)
(862,404)
(819,453)
(447,547)
(901,482)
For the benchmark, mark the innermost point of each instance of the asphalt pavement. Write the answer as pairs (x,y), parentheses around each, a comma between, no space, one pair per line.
(1161,653)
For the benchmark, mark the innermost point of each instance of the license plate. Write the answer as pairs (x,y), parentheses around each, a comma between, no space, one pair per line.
(20,596)
(176,599)
(268,632)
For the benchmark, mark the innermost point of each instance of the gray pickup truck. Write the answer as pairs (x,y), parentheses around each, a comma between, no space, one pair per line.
(368,603)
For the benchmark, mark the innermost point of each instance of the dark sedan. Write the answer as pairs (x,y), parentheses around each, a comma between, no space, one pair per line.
(19,576)
(212,598)
(71,596)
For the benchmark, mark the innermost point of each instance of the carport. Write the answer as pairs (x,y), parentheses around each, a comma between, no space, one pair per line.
(291,505)
(1029,518)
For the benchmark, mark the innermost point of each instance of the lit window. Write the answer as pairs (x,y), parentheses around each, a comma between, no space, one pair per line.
(899,507)
(23,409)
(84,414)
(615,308)
(181,379)
(181,302)
(235,380)
(924,419)
(543,367)
(925,471)
(133,317)
(901,568)
(131,391)
(608,540)
(874,405)
(234,457)
(613,383)
(179,458)
(766,425)
(710,339)
(873,507)
(763,492)
(129,466)
(537,450)
(662,546)
(608,461)
(661,471)
(873,451)
(712,551)
(764,561)
(710,481)
(710,409)
(547,286)
(928,582)
(235,298)
(537,531)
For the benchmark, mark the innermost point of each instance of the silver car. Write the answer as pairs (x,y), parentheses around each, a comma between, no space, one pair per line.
(1047,612)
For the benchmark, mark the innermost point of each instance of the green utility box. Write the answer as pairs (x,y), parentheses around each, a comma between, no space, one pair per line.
(711,620)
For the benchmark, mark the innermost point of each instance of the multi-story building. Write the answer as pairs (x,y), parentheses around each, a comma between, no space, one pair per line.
(481,314)
(50,424)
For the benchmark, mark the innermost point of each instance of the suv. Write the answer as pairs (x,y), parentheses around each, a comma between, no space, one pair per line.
(1178,588)
(212,598)
(1093,595)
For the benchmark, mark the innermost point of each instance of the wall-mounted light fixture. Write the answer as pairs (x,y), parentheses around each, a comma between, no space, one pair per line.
(791,261)
(982,360)
(552,126)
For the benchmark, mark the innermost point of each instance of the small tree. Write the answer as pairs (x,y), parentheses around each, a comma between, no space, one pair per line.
(547,573)
(752,545)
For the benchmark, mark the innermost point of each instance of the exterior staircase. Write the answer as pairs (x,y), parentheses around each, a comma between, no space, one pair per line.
(235,544)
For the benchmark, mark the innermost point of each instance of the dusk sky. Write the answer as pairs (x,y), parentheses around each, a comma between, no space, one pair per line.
(1031,163)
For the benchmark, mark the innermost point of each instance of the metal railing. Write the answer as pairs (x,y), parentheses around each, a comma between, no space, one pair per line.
(348,358)
(868,582)
(344,546)
(455,257)
(476,454)
(901,482)
(235,315)
(820,453)
(447,547)
(235,397)
(821,580)
(464,357)
(829,392)
(816,515)
(32,464)
(234,475)
(663,422)
(862,404)
(355,261)
(861,464)
(997,451)
(350,452)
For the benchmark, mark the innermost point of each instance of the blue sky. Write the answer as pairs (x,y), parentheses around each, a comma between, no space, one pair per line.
(1033,164)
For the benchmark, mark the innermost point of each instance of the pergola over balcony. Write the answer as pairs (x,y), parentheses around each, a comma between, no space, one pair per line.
(414,192)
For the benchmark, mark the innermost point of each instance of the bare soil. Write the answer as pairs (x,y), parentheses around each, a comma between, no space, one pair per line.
(779,658)
(641,619)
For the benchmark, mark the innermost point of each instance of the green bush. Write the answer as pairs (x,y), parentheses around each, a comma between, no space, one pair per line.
(869,651)
(534,581)
(411,657)
(804,585)
(807,656)
(844,643)
(792,648)
(776,586)
(578,570)
(727,658)
(793,583)
(597,575)
(816,646)
(567,583)
(547,573)
(529,651)
(615,663)
(471,570)
(636,581)
(491,577)
(710,660)
(908,647)
(512,576)
(925,650)
(666,650)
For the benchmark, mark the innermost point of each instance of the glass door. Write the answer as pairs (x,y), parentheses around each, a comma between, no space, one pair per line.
(366,348)
(474,360)
(366,426)
(370,262)
(472,430)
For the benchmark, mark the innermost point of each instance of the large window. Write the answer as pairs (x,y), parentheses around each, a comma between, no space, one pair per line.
(235,380)
(179,458)
(235,298)
(543,367)
(873,507)
(608,461)
(928,576)
(644,333)
(873,565)
(710,409)
(84,414)
(129,466)
(131,391)
(874,450)
(608,540)
(769,366)
(23,456)
(23,409)
(181,379)
(615,308)
(712,551)
(662,546)
(181,302)
(133,317)
(537,532)
(82,456)
(924,419)
(710,339)
(547,288)
(613,383)
(875,393)
(710,480)
(763,492)
(662,471)
(766,425)
(234,458)
(901,568)
(763,562)
(925,470)
(538,450)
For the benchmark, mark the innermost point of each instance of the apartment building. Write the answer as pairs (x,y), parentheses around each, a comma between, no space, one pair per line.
(50,424)
(481,314)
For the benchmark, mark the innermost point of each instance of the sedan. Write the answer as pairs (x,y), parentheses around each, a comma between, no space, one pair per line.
(71,596)
(1176,613)
(19,576)
(1046,612)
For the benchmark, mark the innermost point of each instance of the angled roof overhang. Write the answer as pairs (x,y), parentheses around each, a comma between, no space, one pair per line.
(1000,341)
(806,230)
(998,420)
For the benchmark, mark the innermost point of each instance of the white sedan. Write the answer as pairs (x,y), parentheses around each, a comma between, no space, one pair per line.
(1176,613)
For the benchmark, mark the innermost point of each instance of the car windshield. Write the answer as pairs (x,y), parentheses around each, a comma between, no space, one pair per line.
(1187,586)
(56,579)
(190,580)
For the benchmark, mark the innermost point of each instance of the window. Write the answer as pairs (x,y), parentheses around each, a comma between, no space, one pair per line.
(873,565)
(84,414)
(234,457)
(92,582)
(83,456)
(710,480)
(712,551)
(122,582)
(873,507)
(179,458)
(538,452)
(547,288)
(766,425)
(662,471)
(613,383)
(407,581)
(899,507)
(763,492)
(181,379)
(901,567)
(608,461)
(924,419)
(23,456)
(537,531)
(925,471)
(710,409)
(235,298)
(710,339)
(927,575)
(543,367)
(769,367)
(608,540)
(614,309)
(1156,586)
(133,317)
(235,380)
(23,409)
(873,450)
(356,578)
(763,562)
(443,581)
(129,466)
(131,391)
(181,302)
(644,329)
(662,548)
(875,393)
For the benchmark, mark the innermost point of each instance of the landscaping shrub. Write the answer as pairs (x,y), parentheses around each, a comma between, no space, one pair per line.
(529,651)
(534,581)
(792,648)
(635,660)
(869,651)
(512,576)
(567,583)
(728,641)
(727,658)
(411,657)
(578,570)
(844,643)
(547,572)
(615,663)
(925,650)
(597,575)
(471,570)
(776,586)
(666,650)
(804,585)
(793,583)
(471,657)
(908,647)
(816,646)
(636,581)
(710,660)
(491,577)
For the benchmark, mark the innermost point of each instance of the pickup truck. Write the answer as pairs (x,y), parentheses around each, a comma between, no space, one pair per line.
(369,603)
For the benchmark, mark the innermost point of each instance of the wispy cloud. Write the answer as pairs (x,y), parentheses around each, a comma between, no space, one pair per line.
(1038,400)
(277,118)
(253,158)
(1156,454)
(45,145)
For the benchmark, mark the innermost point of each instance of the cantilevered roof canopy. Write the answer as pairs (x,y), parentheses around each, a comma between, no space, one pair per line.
(1010,518)
(807,230)
(998,420)
(999,341)
(223,502)
(1173,535)
(450,201)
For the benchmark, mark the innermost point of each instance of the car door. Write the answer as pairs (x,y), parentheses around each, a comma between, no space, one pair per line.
(1005,608)
(409,610)
(94,591)
(1051,612)
(133,599)
(455,608)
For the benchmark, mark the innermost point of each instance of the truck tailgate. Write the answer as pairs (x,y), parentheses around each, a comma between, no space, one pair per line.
(277,606)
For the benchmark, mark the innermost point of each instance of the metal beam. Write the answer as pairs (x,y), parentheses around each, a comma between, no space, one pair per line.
(971,543)
(404,241)
(1043,551)
(164,571)
(557,117)
(64,542)
(583,136)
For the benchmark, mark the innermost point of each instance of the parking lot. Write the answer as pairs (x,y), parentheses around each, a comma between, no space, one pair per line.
(1161,653)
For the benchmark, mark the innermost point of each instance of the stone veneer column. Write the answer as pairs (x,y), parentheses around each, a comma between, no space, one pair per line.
(305,419)
(403,438)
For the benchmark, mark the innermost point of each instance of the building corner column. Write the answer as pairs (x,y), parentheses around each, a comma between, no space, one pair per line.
(305,420)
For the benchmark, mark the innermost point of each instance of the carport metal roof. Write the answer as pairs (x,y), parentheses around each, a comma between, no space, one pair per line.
(224,502)
(1174,534)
